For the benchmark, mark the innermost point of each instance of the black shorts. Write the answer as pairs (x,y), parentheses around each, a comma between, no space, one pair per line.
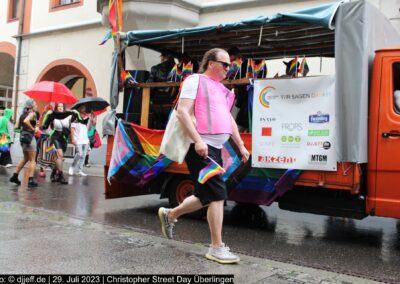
(58,140)
(215,188)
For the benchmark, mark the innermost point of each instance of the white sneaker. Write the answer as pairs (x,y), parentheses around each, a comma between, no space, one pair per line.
(222,255)
(167,226)
(8,165)
(82,174)
(71,171)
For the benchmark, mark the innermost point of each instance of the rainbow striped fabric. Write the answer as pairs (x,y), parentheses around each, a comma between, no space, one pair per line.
(235,69)
(257,69)
(108,36)
(212,169)
(51,149)
(175,74)
(187,69)
(127,77)
(135,159)
(4,144)
(293,67)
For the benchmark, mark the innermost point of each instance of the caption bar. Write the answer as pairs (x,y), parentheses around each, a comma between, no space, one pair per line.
(104,279)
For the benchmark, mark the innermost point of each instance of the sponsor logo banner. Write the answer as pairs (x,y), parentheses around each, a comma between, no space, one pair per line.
(318,118)
(266,131)
(318,132)
(301,113)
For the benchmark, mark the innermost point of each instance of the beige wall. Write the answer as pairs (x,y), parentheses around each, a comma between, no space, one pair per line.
(42,19)
(7,30)
(231,15)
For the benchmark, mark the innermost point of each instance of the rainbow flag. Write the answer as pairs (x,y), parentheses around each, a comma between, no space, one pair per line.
(303,70)
(260,69)
(112,16)
(51,149)
(135,162)
(127,77)
(108,36)
(256,70)
(293,68)
(235,68)
(212,169)
(4,145)
(175,74)
(135,158)
(187,69)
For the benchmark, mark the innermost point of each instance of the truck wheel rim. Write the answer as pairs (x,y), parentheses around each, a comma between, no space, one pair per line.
(183,190)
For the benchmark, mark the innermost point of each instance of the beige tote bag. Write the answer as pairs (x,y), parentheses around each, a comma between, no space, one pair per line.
(175,143)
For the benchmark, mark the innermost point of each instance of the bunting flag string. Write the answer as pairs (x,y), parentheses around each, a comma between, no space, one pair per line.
(108,36)
(112,15)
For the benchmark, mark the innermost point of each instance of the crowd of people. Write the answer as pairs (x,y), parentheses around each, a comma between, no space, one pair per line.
(44,139)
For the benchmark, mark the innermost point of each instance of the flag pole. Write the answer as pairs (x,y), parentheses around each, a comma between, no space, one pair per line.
(215,163)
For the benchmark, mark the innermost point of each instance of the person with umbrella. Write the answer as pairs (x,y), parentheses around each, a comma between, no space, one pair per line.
(27,123)
(79,137)
(79,130)
(60,120)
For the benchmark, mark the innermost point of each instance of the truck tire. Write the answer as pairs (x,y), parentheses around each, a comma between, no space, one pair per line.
(180,187)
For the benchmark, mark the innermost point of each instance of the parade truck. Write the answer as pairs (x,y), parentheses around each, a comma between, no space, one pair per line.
(326,144)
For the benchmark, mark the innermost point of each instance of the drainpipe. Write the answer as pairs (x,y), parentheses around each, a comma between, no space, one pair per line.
(18,59)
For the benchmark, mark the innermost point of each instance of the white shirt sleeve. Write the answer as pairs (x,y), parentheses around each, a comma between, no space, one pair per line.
(189,88)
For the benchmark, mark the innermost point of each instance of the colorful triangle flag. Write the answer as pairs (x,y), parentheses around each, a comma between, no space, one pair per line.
(108,36)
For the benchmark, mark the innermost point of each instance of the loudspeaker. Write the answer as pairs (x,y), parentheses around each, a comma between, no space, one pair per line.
(133,95)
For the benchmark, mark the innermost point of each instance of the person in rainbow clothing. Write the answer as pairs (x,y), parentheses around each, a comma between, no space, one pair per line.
(209,102)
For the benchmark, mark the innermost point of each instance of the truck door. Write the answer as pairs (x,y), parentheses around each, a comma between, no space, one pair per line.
(388,140)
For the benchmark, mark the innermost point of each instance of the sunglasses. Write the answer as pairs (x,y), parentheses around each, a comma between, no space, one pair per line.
(224,64)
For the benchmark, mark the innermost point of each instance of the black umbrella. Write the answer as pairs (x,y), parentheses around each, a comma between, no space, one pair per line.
(92,104)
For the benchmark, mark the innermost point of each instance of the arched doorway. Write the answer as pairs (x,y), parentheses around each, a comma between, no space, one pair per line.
(71,73)
(7,63)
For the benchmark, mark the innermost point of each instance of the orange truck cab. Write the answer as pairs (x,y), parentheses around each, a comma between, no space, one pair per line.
(383,170)
(361,186)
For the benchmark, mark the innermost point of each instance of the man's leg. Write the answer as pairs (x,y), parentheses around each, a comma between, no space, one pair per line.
(189,204)
(78,151)
(218,251)
(168,216)
(82,156)
(215,216)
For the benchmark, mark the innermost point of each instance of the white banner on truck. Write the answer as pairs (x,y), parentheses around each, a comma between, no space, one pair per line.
(294,124)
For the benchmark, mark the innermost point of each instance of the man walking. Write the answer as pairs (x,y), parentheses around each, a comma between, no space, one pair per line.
(204,98)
